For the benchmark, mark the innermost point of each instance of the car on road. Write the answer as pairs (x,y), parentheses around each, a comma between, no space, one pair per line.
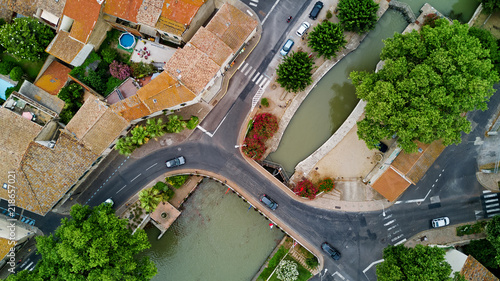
(439,222)
(109,201)
(316,9)
(177,161)
(287,47)
(334,253)
(270,203)
(302,29)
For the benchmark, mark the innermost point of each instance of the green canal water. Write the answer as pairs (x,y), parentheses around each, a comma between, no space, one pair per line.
(215,238)
(332,100)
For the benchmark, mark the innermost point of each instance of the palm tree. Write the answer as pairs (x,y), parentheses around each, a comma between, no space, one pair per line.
(175,124)
(125,146)
(139,135)
(150,198)
(155,128)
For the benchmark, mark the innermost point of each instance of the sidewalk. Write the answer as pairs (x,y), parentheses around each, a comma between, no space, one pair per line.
(443,236)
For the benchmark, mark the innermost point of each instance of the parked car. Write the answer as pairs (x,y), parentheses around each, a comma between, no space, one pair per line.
(302,29)
(287,47)
(334,253)
(439,222)
(270,203)
(177,161)
(316,9)
(109,201)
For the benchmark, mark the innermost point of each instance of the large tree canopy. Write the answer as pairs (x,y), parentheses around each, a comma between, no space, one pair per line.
(93,244)
(491,5)
(327,38)
(359,16)
(26,38)
(295,72)
(419,263)
(429,79)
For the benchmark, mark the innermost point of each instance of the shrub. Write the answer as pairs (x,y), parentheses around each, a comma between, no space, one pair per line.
(326,185)
(306,188)
(119,70)
(109,55)
(287,271)
(264,102)
(468,229)
(177,181)
(329,14)
(141,69)
(112,83)
(192,122)
(430,20)
(6,67)
(312,262)
(254,148)
(16,73)
(265,125)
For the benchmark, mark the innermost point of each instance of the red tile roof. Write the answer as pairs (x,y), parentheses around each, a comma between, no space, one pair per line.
(475,271)
(181,11)
(53,78)
(85,14)
(124,9)
(390,184)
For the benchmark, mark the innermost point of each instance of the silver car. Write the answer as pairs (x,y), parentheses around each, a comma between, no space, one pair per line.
(287,47)
(177,161)
(302,29)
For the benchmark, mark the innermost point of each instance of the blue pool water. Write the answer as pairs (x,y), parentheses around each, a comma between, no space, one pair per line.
(127,40)
(3,86)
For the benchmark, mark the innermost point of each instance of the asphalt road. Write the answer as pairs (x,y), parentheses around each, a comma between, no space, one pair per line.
(360,237)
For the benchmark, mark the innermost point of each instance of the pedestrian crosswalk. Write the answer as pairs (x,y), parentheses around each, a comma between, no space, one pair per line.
(491,203)
(253,3)
(394,231)
(27,265)
(258,78)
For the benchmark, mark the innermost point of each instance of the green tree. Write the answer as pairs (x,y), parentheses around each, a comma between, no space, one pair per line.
(175,124)
(488,42)
(155,128)
(140,135)
(26,38)
(94,244)
(6,67)
(419,263)
(192,122)
(295,72)
(109,54)
(287,271)
(493,235)
(327,38)
(428,81)
(490,6)
(483,251)
(177,181)
(150,198)
(16,73)
(359,16)
(166,192)
(125,146)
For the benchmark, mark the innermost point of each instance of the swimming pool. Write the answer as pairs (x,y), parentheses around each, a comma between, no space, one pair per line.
(127,40)
(3,86)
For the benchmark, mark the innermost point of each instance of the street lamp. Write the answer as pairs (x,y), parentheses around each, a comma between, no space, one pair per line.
(383,209)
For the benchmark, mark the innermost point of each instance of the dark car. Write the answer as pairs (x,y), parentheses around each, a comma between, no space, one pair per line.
(316,9)
(269,202)
(287,47)
(177,161)
(334,253)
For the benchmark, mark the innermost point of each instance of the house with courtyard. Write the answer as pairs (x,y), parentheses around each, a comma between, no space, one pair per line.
(175,21)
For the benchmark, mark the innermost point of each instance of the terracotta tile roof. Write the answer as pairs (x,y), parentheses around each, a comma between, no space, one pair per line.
(85,14)
(178,14)
(41,97)
(4,247)
(149,12)
(23,7)
(17,133)
(26,198)
(210,44)
(232,26)
(390,184)
(192,67)
(124,9)
(96,125)
(51,172)
(54,7)
(415,165)
(170,26)
(475,271)
(64,47)
(130,108)
(53,78)
(163,92)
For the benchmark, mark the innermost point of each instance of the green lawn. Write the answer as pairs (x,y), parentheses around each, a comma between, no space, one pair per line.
(30,68)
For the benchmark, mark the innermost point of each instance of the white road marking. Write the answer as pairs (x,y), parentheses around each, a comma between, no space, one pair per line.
(135,177)
(389,222)
(252,72)
(258,80)
(255,77)
(248,70)
(400,242)
(204,131)
(486,191)
(244,67)
(121,189)
(267,84)
(270,12)
(252,4)
(152,166)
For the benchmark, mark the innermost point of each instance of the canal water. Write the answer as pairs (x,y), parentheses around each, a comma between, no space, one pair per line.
(217,237)
(330,103)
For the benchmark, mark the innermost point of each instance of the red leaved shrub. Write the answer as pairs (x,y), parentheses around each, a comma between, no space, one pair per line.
(326,185)
(265,125)
(254,148)
(305,188)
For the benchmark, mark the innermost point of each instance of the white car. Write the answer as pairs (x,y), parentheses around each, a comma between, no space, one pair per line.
(302,29)
(439,222)
(109,201)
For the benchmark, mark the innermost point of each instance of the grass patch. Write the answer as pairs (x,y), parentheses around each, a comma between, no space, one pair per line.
(273,262)
(29,67)
(468,229)
(304,274)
